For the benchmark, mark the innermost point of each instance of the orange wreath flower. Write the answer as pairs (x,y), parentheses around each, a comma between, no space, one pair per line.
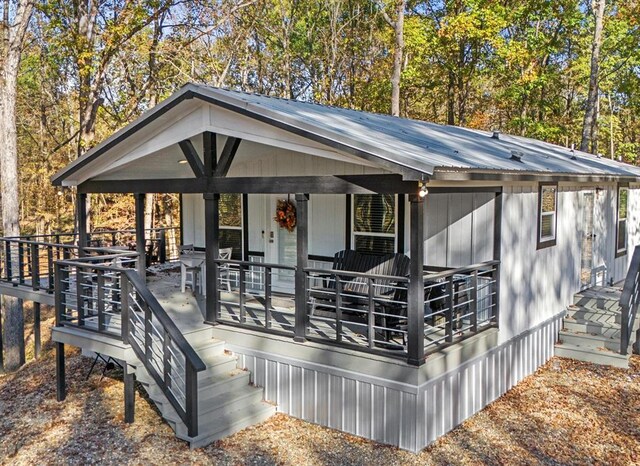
(286,215)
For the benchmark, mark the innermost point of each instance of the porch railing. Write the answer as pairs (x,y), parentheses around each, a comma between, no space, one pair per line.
(459,303)
(629,301)
(105,294)
(362,311)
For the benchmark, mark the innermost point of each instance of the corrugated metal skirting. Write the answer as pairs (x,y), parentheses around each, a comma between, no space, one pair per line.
(409,417)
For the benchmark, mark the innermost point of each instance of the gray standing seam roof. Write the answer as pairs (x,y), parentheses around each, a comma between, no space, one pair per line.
(411,145)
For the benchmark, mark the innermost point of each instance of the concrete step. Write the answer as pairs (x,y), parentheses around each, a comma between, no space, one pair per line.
(589,341)
(228,424)
(604,357)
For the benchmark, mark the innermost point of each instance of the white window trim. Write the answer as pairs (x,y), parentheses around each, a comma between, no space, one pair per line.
(622,251)
(355,233)
(549,240)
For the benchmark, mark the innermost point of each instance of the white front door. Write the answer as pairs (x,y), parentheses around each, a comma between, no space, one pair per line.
(588,235)
(280,248)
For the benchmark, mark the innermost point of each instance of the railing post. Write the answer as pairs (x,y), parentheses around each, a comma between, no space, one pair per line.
(191,400)
(302,227)
(50,268)
(212,238)
(129,395)
(162,246)
(474,301)
(448,313)
(496,292)
(20,263)
(35,267)
(100,298)
(241,294)
(8,261)
(338,308)
(124,307)
(61,386)
(371,318)
(624,328)
(415,303)
(79,298)
(267,296)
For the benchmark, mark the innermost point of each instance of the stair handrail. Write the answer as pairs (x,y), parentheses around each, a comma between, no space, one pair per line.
(629,300)
(130,280)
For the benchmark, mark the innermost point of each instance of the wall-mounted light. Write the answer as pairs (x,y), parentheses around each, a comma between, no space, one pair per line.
(182,162)
(423,189)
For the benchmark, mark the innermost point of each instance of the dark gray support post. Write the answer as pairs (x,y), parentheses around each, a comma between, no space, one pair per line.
(415,304)
(302,231)
(162,247)
(61,386)
(37,344)
(212,252)
(497,243)
(140,236)
(129,395)
(81,214)
(124,307)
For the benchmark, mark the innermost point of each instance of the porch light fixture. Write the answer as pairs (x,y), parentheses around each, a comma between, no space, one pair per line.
(423,189)
(182,161)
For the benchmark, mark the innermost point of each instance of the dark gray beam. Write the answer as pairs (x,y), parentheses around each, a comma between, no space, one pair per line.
(228,153)
(415,304)
(209,143)
(140,237)
(192,157)
(212,252)
(352,184)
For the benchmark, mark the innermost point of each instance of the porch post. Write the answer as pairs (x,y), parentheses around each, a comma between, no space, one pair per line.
(61,384)
(415,304)
(302,231)
(81,215)
(140,236)
(212,251)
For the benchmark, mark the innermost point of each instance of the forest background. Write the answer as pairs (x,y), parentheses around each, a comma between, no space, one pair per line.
(565,71)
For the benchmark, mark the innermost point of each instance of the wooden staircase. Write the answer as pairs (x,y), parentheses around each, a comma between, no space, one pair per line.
(592,328)
(227,403)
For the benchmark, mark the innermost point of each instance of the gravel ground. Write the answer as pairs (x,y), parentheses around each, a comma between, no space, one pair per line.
(566,413)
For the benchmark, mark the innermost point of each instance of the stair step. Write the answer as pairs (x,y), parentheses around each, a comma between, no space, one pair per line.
(217,364)
(197,337)
(229,401)
(593,328)
(605,317)
(589,341)
(230,423)
(208,348)
(609,358)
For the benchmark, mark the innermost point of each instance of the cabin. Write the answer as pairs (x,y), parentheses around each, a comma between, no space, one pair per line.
(381,276)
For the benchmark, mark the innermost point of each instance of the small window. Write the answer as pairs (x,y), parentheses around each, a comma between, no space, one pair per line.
(547,215)
(374,223)
(621,227)
(231,223)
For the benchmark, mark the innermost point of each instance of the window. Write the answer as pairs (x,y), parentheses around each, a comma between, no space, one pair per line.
(231,223)
(547,214)
(621,227)
(374,223)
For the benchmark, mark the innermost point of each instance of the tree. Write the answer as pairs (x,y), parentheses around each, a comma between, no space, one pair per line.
(398,34)
(13,36)
(590,122)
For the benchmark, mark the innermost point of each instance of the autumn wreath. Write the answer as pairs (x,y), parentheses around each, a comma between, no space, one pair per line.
(286,215)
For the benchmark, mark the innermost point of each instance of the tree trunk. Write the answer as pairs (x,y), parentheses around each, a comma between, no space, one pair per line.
(13,34)
(590,113)
(398,29)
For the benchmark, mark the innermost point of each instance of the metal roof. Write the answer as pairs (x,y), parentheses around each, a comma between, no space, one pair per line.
(411,146)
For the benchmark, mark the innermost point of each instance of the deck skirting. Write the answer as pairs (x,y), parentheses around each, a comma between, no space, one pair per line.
(409,416)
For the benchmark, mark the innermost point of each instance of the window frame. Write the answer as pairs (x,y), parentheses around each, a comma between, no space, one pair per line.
(234,228)
(353,233)
(549,240)
(621,251)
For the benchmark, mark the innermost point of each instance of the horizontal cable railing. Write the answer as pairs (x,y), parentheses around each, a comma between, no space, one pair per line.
(629,301)
(357,309)
(159,344)
(88,292)
(248,294)
(459,302)
(31,263)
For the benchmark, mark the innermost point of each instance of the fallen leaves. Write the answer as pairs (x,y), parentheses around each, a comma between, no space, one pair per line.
(568,412)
